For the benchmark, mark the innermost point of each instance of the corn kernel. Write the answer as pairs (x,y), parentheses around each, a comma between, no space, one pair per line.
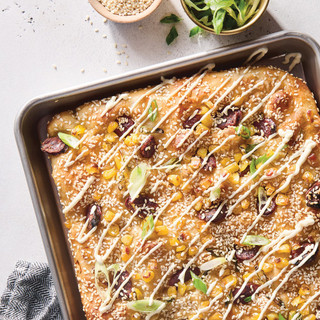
(297,300)
(173,242)
(131,140)
(181,256)
(109,216)
(282,199)
(148,276)
(198,205)
(78,130)
(245,204)
(305,311)
(202,152)
(172,291)
(174,179)
(212,147)
(286,189)
(233,167)
(109,173)
(68,224)
(256,316)
(272,316)
(267,267)
(113,125)
(237,157)
(181,223)
(205,304)
(304,291)
(125,257)
(243,165)
(192,251)
(106,147)
(92,168)
(209,104)
(206,239)
(291,315)
(138,294)
(216,316)
(207,120)
(110,137)
(246,275)
(181,248)
(270,153)
(234,178)
(137,276)
(200,129)
(216,291)
(113,230)
(252,129)
(281,262)
(195,162)
(203,110)
(158,223)
(96,196)
(118,161)
(182,288)
(162,230)
(176,196)
(127,239)
(285,248)
(310,317)
(308,176)
(225,161)
(230,281)
(205,183)
(270,189)
(190,286)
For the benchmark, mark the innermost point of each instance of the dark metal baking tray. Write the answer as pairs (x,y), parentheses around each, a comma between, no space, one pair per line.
(30,129)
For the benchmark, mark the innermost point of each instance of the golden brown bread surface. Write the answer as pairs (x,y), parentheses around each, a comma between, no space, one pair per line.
(227,155)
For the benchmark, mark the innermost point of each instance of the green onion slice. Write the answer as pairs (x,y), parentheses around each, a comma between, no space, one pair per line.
(153,110)
(198,283)
(215,194)
(145,307)
(69,140)
(212,264)
(148,226)
(255,240)
(243,132)
(137,180)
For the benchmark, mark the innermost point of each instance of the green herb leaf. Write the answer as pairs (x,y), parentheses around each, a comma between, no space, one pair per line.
(255,240)
(171,19)
(198,283)
(243,132)
(253,166)
(137,180)
(144,306)
(255,162)
(250,147)
(212,264)
(215,194)
(194,31)
(172,35)
(218,20)
(153,110)
(69,140)
(281,317)
(148,226)
(247,299)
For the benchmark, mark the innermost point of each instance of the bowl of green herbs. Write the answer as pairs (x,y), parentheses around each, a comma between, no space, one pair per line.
(224,17)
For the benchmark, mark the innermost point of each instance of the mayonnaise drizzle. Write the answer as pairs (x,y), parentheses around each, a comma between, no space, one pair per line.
(113,102)
(81,238)
(260,53)
(79,196)
(296,59)
(316,295)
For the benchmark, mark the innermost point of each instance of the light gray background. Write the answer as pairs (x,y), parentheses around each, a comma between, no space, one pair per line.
(38,34)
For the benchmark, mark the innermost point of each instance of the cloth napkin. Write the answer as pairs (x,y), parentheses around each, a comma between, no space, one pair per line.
(30,294)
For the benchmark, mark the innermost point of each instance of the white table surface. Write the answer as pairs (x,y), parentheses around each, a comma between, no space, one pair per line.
(36,35)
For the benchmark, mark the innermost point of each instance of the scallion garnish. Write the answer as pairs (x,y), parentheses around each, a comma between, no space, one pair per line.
(148,226)
(255,240)
(243,132)
(69,140)
(145,307)
(198,283)
(153,110)
(137,180)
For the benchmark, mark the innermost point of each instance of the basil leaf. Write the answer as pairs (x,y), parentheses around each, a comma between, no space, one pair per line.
(243,132)
(198,283)
(137,180)
(195,31)
(218,20)
(250,147)
(154,112)
(281,317)
(247,299)
(255,240)
(212,264)
(69,140)
(148,226)
(215,194)
(170,19)
(172,35)
(144,306)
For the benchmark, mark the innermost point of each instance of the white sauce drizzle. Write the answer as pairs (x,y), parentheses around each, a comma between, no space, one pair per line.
(79,196)
(113,102)
(316,295)
(81,238)
(296,59)
(260,53)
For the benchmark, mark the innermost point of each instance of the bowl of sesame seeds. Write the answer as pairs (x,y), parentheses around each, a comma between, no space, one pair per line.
(125,11)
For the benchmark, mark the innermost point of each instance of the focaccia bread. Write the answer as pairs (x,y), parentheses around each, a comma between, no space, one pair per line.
(198,198)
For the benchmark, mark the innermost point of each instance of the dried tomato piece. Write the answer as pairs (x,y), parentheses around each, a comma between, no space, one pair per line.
(54,146)
(313,196)
(266,126)
(246,253)
(93,213)
(207,214)
(125,123)
(145,205)
(187,276)
(231,119)
(127,289)
(148,148)
(246,293)
(188,124)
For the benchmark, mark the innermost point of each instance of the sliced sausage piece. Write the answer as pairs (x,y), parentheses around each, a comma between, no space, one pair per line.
(127,289)
(125,123)
(187,124)
(304,249)
(148,148)
(270,210)
(211,164)
(145,205)
(313,196)
(187,276)
(246,293)
(54,146)
(94,214)
(208,214)
(231,119)
(266,127)
(246,253)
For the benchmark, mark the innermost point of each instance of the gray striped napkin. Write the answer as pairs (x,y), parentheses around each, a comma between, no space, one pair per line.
(30,294)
